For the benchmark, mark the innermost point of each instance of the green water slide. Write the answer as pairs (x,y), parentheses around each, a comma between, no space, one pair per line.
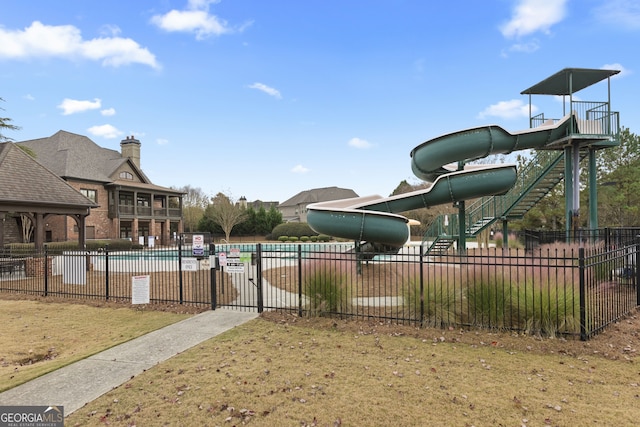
(375,220)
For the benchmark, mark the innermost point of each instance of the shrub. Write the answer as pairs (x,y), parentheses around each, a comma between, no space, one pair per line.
(283,238)
(304,238)
(314,238)
(324,238)
(292,239)
(297,229)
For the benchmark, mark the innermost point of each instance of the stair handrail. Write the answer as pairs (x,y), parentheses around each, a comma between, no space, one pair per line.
(528,176)
(496,206)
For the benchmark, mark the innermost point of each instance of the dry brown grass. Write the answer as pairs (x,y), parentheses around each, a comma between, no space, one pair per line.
(282,370)
(164,286)
(39,335)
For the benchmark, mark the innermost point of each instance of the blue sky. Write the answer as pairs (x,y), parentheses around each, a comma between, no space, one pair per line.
(265,99)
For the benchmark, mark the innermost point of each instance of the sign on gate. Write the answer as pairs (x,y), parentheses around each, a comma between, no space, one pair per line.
(189,264)
(222,259)
(198,245)
(234,264)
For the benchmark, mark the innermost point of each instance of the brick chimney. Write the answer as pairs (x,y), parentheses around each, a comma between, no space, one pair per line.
(130,147)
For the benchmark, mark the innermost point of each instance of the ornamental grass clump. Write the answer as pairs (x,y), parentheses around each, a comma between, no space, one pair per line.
(435,303)
(551,310)
(490,302)
(327,290)
(536,294)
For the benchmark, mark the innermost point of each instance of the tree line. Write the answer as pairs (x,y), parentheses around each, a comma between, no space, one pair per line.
(222,215)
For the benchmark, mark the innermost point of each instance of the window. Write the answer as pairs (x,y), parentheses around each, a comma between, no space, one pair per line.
(126,175)
(126,199)
(89,194)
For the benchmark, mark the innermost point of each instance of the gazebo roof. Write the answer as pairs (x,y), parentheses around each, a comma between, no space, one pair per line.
(25,182)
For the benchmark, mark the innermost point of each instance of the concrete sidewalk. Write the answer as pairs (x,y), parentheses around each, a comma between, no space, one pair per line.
(79,383)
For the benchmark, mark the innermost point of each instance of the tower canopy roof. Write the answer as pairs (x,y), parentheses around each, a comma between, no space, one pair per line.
(569,81)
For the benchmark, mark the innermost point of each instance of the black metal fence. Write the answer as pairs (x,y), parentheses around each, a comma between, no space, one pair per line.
(609,237)
(559,289)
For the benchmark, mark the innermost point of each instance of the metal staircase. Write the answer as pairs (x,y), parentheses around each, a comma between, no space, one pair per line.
(535,180)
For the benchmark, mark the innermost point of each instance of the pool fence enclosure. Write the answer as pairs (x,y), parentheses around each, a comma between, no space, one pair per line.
(558,289)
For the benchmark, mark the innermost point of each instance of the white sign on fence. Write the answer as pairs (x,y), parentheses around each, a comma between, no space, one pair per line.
(189,264)
(198,245)
(140,289)
(234,265)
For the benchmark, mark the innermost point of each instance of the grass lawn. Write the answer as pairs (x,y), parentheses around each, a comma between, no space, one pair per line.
(39,336)
(280,370)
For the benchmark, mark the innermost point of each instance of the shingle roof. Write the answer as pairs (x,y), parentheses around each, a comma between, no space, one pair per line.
(319,195)
(23,180)
(70,155)
(149,187)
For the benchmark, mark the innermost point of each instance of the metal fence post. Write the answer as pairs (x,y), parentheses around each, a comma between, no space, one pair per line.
(46,272)
(636,269)
(421,285)
(583,296)
(180,269)
(259,277)
(106,272)
(299,281)
(213,264)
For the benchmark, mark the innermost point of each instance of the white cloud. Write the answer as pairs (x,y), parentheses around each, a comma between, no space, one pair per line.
(195,19)
(29,97)
(299,169)
(617,66)
(108,112)
(359,143)
(530,16)
(162,141)
(620,13)
(191,21)
(110,30)
(65,41)
(512,109)
(72,106)
(105,131)
(266,89)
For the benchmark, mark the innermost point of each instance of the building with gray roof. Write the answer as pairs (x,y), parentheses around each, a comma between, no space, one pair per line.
(295,208)
(32,195)
(129,205)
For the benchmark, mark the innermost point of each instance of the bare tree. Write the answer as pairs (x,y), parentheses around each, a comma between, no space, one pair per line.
(27,228)
(194,202)
(225,213)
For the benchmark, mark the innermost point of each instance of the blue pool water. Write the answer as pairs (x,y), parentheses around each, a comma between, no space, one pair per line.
(284,248)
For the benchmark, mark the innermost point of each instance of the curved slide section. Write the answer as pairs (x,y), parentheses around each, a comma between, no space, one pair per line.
(374,219)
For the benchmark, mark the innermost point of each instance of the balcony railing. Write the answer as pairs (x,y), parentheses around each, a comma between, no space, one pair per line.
(143,211)
(592,118)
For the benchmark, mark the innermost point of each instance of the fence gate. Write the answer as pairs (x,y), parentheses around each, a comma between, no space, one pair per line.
(236,276)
